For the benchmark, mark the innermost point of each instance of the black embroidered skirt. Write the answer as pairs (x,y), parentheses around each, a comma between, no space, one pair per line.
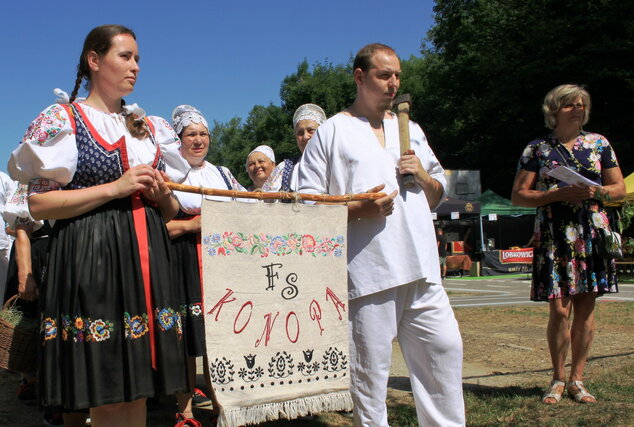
(186,274)
(95,323)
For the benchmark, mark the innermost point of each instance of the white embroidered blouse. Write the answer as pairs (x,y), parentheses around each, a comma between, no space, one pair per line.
(48,149)
(207,176)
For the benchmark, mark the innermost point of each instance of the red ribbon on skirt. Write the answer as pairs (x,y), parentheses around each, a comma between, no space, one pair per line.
(140,228)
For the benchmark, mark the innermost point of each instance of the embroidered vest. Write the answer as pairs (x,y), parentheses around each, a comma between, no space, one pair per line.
(97,162)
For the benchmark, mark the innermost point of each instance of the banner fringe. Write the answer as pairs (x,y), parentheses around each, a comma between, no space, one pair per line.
(290,409)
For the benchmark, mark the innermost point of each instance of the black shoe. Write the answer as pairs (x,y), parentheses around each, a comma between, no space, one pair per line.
(200,399)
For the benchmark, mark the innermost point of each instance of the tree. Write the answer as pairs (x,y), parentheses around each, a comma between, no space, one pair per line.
(478,87)
(492,61)
(329,86)
(229,147)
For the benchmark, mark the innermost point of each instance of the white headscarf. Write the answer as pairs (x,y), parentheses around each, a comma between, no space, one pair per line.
(185,115)
(309,112)
(264,149)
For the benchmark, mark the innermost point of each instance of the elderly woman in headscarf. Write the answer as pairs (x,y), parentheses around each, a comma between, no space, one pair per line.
(260,164)
(306,120)
(184,232)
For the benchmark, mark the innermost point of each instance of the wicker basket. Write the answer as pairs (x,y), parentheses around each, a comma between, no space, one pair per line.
(18,342)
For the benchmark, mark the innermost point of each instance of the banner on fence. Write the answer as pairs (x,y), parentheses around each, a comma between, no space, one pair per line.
(509,261)
(276,309)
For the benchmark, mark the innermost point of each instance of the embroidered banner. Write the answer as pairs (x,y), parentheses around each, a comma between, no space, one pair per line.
(276,309)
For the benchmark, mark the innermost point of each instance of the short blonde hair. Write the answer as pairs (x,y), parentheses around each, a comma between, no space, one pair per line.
(560,96)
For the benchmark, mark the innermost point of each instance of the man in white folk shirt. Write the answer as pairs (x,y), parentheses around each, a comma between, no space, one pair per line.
(394,280)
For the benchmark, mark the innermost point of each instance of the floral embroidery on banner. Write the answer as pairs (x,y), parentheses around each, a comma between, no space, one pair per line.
(229,243)
(46,126)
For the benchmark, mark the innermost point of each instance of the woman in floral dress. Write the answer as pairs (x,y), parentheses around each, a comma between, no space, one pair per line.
(111,326)
(567,272)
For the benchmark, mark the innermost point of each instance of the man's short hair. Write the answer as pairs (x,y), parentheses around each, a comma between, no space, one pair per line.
(363,59)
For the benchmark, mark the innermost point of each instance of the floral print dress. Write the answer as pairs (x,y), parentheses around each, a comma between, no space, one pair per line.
(563,260)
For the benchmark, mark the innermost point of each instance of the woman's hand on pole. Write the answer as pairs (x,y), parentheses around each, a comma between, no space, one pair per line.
(138,178)
(160,194)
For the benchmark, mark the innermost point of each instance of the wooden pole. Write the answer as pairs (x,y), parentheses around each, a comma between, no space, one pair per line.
(261,195)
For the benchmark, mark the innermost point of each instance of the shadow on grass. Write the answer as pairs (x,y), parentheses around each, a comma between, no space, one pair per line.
(546,370)
(403,384)
(485,391)
(399,383)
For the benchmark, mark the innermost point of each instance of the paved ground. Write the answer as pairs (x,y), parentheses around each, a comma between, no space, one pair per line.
(500,290)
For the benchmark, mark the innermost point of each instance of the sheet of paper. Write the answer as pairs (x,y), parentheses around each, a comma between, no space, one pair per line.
(567,175)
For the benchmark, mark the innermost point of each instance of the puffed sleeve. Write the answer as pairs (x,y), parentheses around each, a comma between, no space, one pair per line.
(16,210)
(176,166)
(48,151)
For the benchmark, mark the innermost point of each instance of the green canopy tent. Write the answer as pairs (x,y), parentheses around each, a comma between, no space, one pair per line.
(492,203)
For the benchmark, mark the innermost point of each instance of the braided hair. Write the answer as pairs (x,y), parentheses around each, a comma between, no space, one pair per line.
(99,40)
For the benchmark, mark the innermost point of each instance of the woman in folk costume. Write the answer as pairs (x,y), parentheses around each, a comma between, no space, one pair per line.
(260,163)
(184,230)
(306,120)
(111,325)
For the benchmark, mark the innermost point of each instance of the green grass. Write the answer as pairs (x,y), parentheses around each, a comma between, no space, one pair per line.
(606,312)
(521,405)
(614,313)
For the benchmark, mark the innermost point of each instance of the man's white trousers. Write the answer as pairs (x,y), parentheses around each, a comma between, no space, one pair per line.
(420,317)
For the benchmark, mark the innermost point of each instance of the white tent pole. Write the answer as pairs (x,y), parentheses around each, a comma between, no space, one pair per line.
(481,234)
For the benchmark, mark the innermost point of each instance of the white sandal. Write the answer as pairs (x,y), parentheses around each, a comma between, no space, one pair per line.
(581,394)
(552,392)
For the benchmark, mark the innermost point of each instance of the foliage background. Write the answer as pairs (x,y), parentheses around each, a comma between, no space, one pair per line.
(478,84)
